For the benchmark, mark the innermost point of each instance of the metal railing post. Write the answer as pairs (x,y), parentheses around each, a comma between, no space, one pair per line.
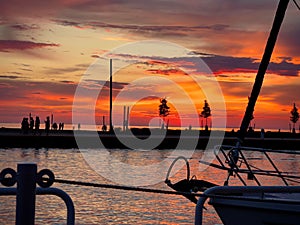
(26,186)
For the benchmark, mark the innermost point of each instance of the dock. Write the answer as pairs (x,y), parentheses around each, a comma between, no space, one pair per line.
(14,138)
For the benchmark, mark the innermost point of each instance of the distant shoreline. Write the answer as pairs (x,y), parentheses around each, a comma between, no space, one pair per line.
(86,127)
(14,138)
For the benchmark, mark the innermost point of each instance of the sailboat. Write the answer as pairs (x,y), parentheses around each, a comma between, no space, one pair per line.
(256,204)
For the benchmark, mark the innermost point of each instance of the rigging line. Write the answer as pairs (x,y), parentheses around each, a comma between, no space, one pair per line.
(293,180)
(273,172)
(297,5)
(121,187)
(269,171)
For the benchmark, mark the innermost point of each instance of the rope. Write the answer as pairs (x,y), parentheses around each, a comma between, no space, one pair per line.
(121,187)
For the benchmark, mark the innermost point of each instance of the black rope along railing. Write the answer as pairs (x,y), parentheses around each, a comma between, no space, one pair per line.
(45,178)
(122,187)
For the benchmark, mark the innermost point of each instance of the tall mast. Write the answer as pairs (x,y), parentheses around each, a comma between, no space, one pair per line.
(281,9)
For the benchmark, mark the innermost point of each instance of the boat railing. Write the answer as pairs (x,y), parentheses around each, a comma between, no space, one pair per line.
(229,191)
(233,159)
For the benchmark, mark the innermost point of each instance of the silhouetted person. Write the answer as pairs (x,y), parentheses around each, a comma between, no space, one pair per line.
(37,124)
(262,133)
(59,126)
(47,125)
(250,130)
(31,124)
(104,128)
(54,126)
(62,126)
(25,125)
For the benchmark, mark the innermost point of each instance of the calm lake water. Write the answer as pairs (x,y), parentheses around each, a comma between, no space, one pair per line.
(108,206)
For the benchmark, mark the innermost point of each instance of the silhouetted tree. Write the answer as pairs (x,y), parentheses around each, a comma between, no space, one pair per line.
(294,116)
(206,113)
(163,108)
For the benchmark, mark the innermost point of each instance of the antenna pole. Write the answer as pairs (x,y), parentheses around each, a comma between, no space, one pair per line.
(124,118)
(51,120)
(110,96)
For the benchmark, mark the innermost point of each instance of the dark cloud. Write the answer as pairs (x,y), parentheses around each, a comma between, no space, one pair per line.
(67,82)
(236,89)
(8,45)
(284,68)
(24,27)
(17,73)
(22,64)
(12,90)
(218,64)
(161,29)
(151,98)
(82,65)
(222,64)
(282,94)
(31,8)
(289,38)
(67,23)
(95,56)
(25,69)
(171,71)
(9,77)
(55,71)
(156,18)
(185,12)
(62,71)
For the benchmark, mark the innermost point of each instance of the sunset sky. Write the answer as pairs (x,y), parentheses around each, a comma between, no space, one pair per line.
(47,48)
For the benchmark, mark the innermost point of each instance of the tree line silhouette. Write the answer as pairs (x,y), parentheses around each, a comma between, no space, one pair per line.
(164,111)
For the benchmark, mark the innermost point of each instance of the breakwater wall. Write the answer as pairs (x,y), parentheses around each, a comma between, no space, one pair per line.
(14,138)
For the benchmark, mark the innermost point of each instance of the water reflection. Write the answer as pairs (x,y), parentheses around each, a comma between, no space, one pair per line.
(108,206)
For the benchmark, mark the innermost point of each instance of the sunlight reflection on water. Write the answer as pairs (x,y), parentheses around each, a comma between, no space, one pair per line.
(108,206)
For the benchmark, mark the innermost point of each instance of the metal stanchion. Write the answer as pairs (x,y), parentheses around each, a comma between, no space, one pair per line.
(26,186)
(26,178)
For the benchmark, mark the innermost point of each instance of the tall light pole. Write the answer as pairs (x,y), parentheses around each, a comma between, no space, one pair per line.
(110,97)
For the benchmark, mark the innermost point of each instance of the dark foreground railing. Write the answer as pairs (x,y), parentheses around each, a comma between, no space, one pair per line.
(26,179)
